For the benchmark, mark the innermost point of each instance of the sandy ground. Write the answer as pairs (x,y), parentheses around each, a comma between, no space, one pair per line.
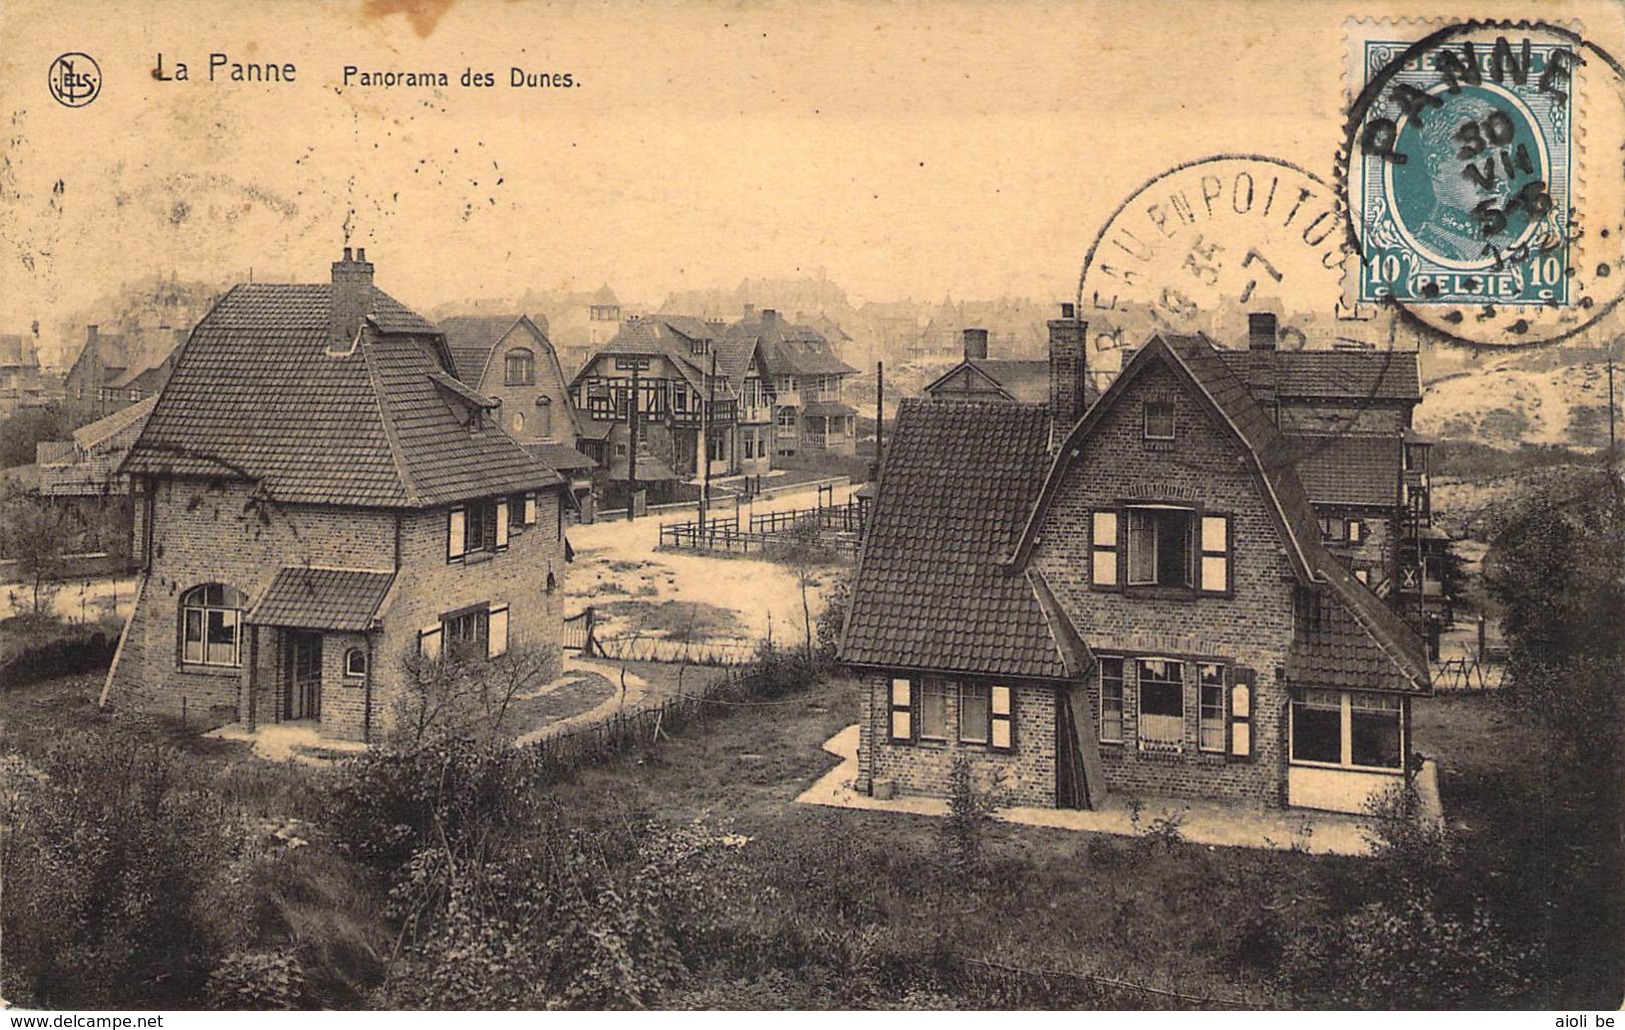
(1454,407)
(1201,822)
(618,561)
(75,600)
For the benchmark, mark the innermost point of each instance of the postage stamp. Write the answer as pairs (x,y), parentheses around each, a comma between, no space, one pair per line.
(1469,204)
(1464,172)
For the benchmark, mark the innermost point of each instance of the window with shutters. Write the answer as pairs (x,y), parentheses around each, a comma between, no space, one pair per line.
(934,695)
(1159,546)
(467,634)
(477,528)
(1111,700)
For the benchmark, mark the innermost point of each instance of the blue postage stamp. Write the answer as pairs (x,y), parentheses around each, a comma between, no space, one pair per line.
(1463,165)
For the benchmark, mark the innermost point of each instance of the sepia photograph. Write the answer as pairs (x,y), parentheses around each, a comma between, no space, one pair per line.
(861,505)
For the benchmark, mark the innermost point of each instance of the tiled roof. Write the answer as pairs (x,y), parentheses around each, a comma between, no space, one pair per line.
(652,336)
(1384,632)
(471,339)
(560,457)
(1383,375)
(256,394)
(314,598)
(1356,640)
(931,590)
(92,433)
(1347,469)
(786,349)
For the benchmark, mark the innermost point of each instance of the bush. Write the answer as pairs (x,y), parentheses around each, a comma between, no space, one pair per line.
(256,982)
(970,810)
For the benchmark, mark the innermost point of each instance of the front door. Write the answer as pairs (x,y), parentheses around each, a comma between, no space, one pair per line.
(302,661)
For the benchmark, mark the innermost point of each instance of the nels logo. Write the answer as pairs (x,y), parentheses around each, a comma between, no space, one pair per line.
(75,79)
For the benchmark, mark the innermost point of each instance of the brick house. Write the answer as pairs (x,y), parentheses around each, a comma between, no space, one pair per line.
(1138,600)
(802,381)
(317,499)
(510,359)
(116,370)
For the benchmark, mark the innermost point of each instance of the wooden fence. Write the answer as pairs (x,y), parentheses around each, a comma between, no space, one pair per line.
(1468,674)
(846,518)
(578,633)
(638,648)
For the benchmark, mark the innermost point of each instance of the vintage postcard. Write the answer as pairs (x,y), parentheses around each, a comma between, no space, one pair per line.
(854,505)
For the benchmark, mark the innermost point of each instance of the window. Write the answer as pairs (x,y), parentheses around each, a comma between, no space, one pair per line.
(1351,531)
(1162,704)
(716,446)
(467,633)
(1347,730)
(1159,420)
(476,527)
(1111,700)
(1374,731)
(902,709)
(975,713)
(518,422)
(1159,546)
(1103,548)
(680,397)
(1210,728)
(355,662)
(527,508)
(210,617)
(520,368)
(934,710)
(1215,554)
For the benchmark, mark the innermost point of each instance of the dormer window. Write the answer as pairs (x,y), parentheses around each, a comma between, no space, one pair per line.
(519,368)
(1159,420)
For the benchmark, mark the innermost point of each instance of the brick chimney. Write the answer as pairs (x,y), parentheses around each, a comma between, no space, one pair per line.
(1261,330)
(750,313)
(90,333)
(1067,370)
(351,298)
(975,344)
(769,316)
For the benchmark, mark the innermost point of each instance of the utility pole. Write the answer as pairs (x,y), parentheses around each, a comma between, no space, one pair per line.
(632,445)
(1610,408)
(880,415)
(710,427)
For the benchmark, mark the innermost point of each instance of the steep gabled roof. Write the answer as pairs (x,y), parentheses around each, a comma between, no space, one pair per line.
(472,338)
(931,591)
(256,394)
(17,351)
(789,350)
(655,337)
(1367,627)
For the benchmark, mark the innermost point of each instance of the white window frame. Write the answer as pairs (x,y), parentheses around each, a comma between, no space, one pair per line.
(204,610)
(1146,419)
(986,729)
(350,654)
(937,690)
(1346,734)
(1153,512)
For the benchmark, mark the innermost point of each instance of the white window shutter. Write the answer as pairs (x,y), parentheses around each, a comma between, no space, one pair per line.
(457,534)
(902,709)
(497,642)
(530,509)
(429,642)
(999,708)
(1241,739)
(502,523)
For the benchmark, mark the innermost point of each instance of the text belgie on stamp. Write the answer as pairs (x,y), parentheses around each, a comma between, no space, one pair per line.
(1469,206)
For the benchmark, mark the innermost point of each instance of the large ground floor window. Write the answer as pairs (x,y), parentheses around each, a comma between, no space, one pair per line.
(1348,729)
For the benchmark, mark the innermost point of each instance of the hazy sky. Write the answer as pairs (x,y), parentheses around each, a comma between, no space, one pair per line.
(905,149)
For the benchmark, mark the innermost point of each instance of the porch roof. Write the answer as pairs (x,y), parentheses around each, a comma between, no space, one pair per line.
(302,597)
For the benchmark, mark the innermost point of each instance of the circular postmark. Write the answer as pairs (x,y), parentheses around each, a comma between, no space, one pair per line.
(75,79)
(1248,250)
(1463,179)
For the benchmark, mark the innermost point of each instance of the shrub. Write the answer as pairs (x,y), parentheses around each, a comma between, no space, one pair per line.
(256,981)
(970,810)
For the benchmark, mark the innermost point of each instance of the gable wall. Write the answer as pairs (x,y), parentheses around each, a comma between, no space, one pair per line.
(550,422)
(1252,629)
